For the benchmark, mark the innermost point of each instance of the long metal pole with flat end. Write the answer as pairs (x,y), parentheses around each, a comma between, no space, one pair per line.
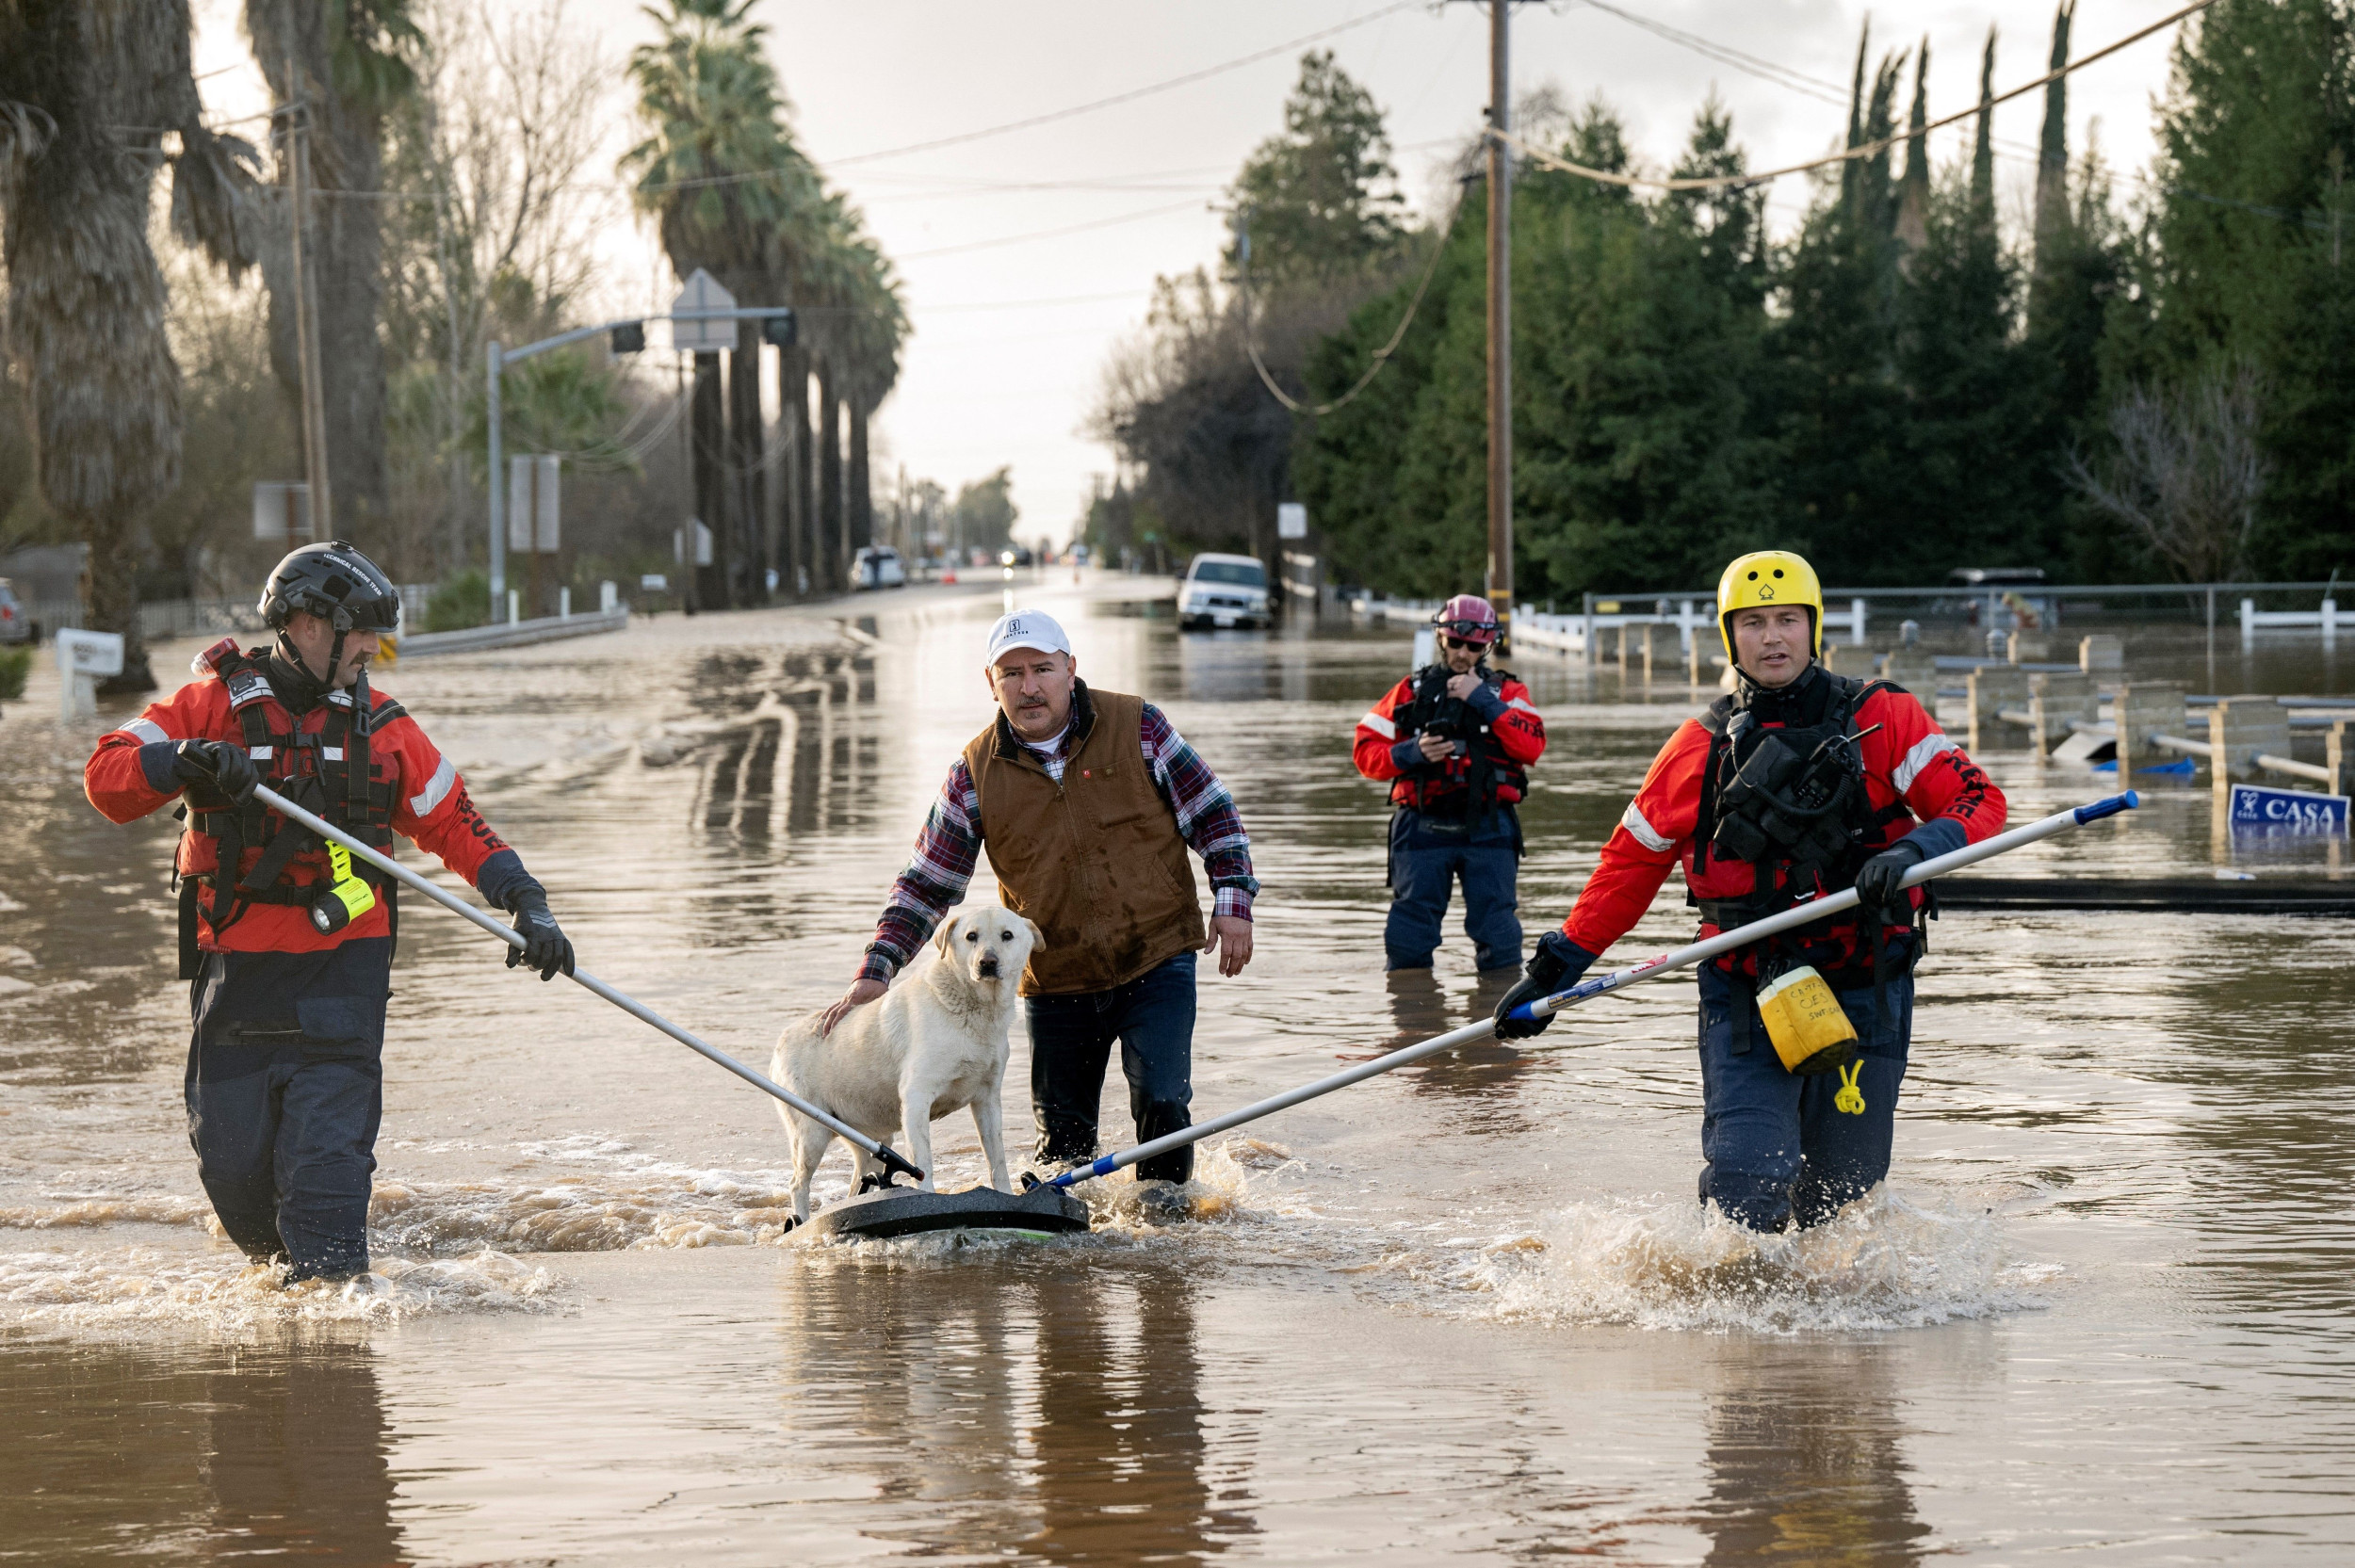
(1500,321)
(1652,968)
(644,1014)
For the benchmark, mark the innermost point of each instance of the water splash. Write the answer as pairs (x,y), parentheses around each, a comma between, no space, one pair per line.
(220,1291)
(1883,1263)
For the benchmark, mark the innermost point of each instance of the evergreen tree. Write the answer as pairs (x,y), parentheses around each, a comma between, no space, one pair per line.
(2246,263)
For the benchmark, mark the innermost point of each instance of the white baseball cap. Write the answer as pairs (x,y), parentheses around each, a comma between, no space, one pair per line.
(1027,629)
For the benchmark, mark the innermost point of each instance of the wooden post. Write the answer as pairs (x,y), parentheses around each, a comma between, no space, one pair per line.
(2339,758)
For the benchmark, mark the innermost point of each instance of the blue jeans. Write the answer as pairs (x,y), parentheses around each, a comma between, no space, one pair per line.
(1427,855)
(1777,1148)
(285,1090)
(1071,1041)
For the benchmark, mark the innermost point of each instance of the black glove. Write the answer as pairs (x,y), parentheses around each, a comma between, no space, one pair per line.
(1555,966)
(545,946)
(217,767)
(1877,880)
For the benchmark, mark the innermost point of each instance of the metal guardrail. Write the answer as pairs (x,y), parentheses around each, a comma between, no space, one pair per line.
(517,634)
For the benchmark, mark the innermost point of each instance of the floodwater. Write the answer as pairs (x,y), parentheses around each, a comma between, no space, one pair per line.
(1468,1311)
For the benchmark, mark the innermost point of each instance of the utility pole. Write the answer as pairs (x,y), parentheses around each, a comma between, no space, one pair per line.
(306,330)
(1501,322)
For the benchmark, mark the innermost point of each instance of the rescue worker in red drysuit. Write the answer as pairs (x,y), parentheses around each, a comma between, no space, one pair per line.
(285,1083)
(1456,738)
(1778,1145)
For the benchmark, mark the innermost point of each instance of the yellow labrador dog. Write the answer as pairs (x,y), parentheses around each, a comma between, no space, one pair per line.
(933,1042)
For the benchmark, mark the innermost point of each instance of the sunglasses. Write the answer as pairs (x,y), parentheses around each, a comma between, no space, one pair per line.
(1447,641)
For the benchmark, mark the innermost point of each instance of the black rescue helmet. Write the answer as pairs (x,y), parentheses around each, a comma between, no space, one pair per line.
(335,582)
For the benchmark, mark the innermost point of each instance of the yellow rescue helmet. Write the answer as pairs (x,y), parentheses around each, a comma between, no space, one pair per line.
(1769,577)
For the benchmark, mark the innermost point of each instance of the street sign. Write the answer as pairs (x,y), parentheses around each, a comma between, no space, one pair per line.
(282,511)
(703,293)
(532,516)
(654,582)
(1291,521)
(2258,811)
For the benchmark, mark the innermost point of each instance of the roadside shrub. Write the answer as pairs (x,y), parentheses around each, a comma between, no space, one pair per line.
(16,664)
(463,600)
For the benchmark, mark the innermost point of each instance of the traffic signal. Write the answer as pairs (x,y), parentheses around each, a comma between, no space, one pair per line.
(778,329)
(629,338)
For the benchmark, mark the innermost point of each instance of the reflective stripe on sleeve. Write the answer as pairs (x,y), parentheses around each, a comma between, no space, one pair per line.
(147,730)
(1925,751)
(1642,832)
(1379,725)
(1520,703)
(436,790)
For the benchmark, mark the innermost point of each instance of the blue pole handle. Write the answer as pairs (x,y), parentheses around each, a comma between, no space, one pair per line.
(2109,807)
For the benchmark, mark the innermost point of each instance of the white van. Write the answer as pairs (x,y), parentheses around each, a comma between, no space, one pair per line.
(877,566)
(1224,590)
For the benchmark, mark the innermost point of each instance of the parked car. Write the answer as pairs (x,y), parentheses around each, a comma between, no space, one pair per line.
(16,623)
(878,566)
(1224,590)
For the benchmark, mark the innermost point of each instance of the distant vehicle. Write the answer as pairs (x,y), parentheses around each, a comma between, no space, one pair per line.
(16,625)
(878,566)
(2016,594)
(1224,590)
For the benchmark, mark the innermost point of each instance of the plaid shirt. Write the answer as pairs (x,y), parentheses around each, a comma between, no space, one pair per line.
(949,846)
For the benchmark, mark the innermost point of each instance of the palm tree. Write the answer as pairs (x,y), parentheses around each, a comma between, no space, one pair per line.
(87,87)
(346,64)
(729,191)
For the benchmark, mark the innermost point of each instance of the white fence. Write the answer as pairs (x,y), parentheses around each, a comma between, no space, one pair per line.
(2327,617)
(1577,633)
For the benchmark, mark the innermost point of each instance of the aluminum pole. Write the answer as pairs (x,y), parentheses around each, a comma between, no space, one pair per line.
(1698,952)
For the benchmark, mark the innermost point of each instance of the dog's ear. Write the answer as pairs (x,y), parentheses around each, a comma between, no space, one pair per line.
(1038,938)
(945,934)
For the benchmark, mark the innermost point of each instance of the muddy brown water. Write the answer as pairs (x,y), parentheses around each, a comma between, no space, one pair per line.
(1468,1311)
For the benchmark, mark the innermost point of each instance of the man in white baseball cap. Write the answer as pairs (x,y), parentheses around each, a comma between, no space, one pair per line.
(1088,801)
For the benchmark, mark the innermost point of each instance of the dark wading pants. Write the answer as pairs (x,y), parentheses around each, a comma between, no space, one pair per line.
(1778,1149)
(285,1088)
(1071,1041)
(1427,855)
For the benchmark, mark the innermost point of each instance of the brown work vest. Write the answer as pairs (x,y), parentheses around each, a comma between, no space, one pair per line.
(1096,860)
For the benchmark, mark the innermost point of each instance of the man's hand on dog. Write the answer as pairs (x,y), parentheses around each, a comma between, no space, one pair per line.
(862,992)
(1230,938)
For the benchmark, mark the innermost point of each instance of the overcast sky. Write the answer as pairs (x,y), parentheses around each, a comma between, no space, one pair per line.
(1027,257)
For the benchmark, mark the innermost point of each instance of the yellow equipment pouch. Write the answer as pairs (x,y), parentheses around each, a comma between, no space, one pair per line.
(344,899)
(1809,1029)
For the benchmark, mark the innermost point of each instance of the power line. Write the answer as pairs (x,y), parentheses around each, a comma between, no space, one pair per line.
(1863,149)
(1724,53)
(1190,206)
(962,137)
(1381,355)
(1132,94)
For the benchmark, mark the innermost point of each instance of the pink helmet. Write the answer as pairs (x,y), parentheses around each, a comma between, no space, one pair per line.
(1470,617)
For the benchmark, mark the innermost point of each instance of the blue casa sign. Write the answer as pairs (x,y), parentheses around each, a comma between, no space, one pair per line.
(2268,811)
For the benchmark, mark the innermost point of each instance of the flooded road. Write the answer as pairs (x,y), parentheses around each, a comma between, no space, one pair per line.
(1468,1311)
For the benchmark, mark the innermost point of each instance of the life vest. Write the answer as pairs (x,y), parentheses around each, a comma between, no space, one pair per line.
(1468,784)
(327,773)
(1785,816)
